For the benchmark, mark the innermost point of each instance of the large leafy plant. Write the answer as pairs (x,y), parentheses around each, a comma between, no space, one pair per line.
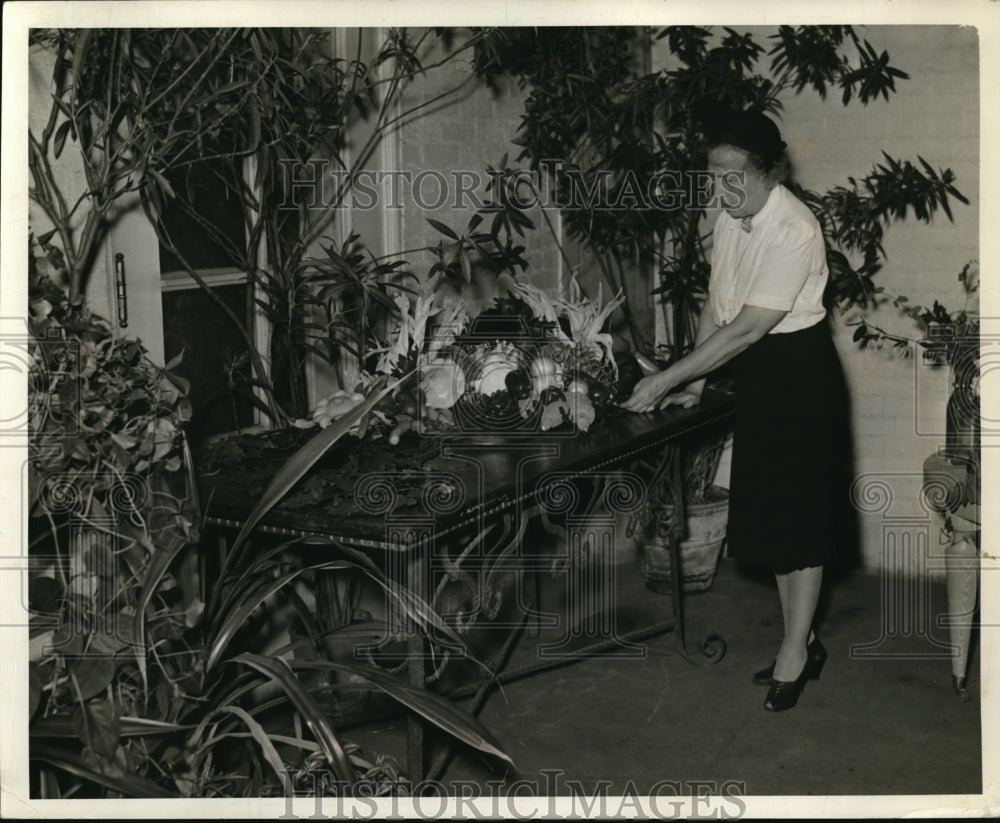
(136,687)
(113,524)
(156,112)
(621,132)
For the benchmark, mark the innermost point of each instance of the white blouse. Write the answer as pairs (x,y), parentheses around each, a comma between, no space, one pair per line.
(779,264)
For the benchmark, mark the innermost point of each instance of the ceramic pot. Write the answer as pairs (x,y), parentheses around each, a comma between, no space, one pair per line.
(699,551)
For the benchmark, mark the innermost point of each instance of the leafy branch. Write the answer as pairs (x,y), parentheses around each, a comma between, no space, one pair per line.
(945,331)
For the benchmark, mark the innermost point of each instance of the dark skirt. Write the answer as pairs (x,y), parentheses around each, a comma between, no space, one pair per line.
(790,505)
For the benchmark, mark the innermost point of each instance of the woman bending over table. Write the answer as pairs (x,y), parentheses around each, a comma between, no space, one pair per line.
(789,505)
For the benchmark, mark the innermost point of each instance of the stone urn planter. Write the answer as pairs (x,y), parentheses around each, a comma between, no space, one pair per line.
(700,550)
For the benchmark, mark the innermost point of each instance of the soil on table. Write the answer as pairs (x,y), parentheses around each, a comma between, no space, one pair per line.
(237,469)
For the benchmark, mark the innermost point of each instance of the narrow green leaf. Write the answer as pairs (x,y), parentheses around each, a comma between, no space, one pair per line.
(130,785)
(158,565)
(237,617)
(443,713)
(262,739)
(263,566)
(413,605)
(35,683)
(299,463)
(466,265)
(441,227)
(163,183)
(946,207)
(256,401)
(60,137)
(280,673)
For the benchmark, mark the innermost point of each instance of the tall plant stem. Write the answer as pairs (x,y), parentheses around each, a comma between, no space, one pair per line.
(559,244)
(637,337)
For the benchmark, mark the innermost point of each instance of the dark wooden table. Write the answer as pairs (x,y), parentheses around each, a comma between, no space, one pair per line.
(470,510)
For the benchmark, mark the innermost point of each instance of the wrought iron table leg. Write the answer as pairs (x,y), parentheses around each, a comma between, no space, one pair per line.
(416,651)
(677,534)
(482,693)
(712,647)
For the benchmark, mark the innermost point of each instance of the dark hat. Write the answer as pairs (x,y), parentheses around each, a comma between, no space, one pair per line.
(752,131)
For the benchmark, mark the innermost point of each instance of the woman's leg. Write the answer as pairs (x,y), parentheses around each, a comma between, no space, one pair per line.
(782,580)
(799,593)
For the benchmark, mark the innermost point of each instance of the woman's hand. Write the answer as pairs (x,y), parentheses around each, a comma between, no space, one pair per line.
(684,399)
(650,392)
(691,396)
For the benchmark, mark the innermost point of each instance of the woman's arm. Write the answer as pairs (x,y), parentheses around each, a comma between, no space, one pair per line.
(718,346)
(706,328)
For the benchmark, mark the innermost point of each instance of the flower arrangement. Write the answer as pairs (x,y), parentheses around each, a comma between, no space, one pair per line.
(530,362)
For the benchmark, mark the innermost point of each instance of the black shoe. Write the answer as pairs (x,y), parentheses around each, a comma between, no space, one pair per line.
(783,695)
(816,657)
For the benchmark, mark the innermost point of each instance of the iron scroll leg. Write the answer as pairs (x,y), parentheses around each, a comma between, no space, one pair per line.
(416,761)
(675,473)
(712,647)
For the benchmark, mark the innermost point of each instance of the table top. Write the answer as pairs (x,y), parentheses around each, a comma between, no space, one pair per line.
(450,480)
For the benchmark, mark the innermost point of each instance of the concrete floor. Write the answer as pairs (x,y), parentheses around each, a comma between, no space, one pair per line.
(880,721)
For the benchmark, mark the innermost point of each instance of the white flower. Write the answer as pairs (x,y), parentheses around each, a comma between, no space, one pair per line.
(443,382)
(581,410)
(336,405)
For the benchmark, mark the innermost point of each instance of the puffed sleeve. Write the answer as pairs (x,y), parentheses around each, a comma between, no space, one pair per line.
(784,266)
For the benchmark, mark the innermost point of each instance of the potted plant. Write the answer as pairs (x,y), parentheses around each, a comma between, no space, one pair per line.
(952,474)
(706,513)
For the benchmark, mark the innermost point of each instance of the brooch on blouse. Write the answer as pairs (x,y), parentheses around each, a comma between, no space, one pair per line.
(746,223)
